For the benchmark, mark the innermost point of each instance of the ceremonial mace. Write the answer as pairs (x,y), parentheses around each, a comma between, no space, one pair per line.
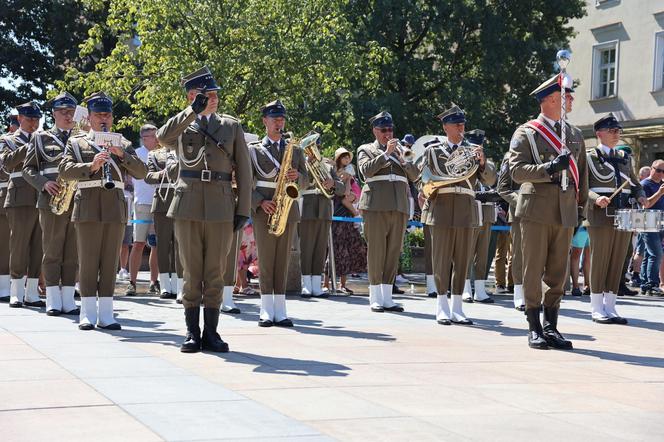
(563,58)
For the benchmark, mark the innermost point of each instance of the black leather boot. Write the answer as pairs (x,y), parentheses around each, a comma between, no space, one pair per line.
(192,340)
(211,340)
(535,334)
(551,333)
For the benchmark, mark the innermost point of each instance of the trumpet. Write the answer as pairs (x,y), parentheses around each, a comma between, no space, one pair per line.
(405,153)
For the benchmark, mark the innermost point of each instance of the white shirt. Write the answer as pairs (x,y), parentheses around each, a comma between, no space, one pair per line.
(605,149)
(143,192)
(551,122)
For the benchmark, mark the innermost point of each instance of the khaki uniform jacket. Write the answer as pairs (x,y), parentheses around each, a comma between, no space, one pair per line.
(4,179)
(163,193)
(507,188)
(265,170)
(540,197)
(196,200)
(602,182)
(453,209)
(97,204)
(42,161)
(384,196)
(317,206)
(13,149)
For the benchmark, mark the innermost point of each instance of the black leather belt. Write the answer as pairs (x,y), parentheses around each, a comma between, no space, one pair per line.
(206,175)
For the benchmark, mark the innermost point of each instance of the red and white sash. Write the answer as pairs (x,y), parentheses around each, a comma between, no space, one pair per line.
(554,141)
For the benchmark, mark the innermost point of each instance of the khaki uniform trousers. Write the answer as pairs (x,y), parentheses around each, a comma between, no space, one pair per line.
(451,256)
(4,243)
(168,258)
(480,257)
(428,264)
(273,255)
(230,268)
(545,251)
(60,260)
(516,260)
(203,247)
(608,248)
(313,245)
(503,259)
(25,242)
(98,247)
(384,232)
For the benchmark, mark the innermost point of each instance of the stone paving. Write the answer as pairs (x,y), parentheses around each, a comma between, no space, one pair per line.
(342,373)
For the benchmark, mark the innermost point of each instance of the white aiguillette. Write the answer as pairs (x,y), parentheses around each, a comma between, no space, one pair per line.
(81,113)
(108,139)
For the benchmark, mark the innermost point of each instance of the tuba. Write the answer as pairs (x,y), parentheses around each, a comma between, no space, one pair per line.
(286,191)
(314,163)
(460,166)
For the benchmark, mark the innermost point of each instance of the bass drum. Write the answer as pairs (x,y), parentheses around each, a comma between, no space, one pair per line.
(639,220)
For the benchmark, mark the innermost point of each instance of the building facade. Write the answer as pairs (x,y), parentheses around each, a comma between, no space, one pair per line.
(618,60)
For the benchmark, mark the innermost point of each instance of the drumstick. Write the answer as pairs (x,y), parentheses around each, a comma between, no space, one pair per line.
(618,190)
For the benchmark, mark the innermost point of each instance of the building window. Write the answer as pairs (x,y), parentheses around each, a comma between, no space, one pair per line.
(605,70)
(658,76)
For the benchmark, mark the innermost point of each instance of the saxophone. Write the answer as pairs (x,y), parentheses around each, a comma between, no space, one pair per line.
(285,193)
(61,201)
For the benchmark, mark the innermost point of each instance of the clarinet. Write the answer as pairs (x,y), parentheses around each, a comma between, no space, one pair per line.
(108,181)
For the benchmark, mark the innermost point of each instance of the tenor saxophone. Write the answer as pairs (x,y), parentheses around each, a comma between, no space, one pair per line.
(285,193)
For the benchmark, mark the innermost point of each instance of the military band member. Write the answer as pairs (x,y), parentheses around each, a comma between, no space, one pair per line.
(4,224)
(60,263)
(274,251)
(100,210)
(315,224)
(509,191)
(452,231)
(548,213)
(208,146)
(25,242)
(13,123)
(479,255)
(385,206)
(608,170)
(168,259)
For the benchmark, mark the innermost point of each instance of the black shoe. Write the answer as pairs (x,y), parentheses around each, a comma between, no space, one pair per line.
(233,311)
(521,308)
(77,295)
(510,289)
(178,301)
(211,341)
(75,312)
(86,326)
(53,312)
(396,290)
(394,308)
(444,321)
(166,295)
(192,340)
(537,341)
(284,323)
(16,304)
(500,288)
(586,291)
(322,295)
(154,288)
(623,290)
(602,320)
(265,323)
(377,309)
(618,320)
(535,336)
(576,291)
(4,299)
(39,303)
(432,295)
(131,289)
(464,321)
(113,326)
(551,333)
(468,300)
(485,301)
(305,295)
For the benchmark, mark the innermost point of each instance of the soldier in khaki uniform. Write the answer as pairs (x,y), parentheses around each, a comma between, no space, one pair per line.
(40,169)
(4,224)
(479,258)
(170,268)
(452,214)
(208,146)
(548,213)
(385,206)
(315,224)
(509,191)
(25,242)
(608,170)
(274,251)
(100,210)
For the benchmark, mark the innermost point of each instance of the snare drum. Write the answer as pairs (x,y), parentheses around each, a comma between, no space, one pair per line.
(639,220)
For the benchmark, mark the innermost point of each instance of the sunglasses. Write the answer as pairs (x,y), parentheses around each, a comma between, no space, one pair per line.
(659,170)
(385,130)
(614,131)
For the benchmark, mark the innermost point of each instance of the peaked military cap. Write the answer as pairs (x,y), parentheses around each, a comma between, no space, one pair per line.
(29,109)
(608,121)
(99,102)
(201,79)
(63,101)
(274,109)
(452,115)
(475,136)
(383,119)
(408,139)
(13,119)
(548,87)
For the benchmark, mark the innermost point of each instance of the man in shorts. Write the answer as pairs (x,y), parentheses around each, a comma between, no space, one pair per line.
(580,250)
